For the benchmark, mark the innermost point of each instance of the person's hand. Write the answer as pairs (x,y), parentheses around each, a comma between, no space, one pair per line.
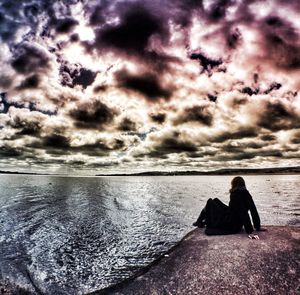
(253,237)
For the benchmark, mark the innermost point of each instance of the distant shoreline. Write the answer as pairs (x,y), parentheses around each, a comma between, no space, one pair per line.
(220,172)
(246,171)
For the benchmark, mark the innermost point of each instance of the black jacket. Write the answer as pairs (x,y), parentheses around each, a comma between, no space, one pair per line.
(240,203)
(231,219)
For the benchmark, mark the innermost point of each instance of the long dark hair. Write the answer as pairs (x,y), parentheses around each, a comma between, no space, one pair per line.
(236,183)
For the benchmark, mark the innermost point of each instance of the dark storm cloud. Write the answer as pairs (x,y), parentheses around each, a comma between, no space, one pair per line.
(28,58)
(32,81)
(74,74)
(234,147)
(233,38)
(164,144)
(198,113)
(5,81)
(158,118)
(59,143)
(139,21)
(202,153)
(97,17)
(279,42)
(237,101)
(131,35)
(147,84)
(212,98)
(127,125)
(273,86)
(208,64)
(295,139)
(93,114)
(239,134)
(268,137)
(218,9)
(85,77)
(141,29)
(26,126)
(250,91)
(100,88)
(170,145)
(175,145)
(256,90)
(56,141)
(65,25)
(247,155)
(116,144)
(277,116)
(8,151)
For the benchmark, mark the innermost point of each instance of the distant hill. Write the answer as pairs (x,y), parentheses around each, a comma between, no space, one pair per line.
(225,171)
(22,173)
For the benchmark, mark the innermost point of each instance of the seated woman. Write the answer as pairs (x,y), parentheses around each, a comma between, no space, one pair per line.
(221,219)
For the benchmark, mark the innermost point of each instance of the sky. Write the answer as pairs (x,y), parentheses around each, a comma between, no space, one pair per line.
(128,86)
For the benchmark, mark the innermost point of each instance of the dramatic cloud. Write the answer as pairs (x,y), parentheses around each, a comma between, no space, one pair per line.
(28,59)
(159,117)
(127,125)
(147,84)
(133,32)
(74,74)
(65,25)
(207,64)
(111,86)
(278,116)
(92,114)
(30,82)
(199,113)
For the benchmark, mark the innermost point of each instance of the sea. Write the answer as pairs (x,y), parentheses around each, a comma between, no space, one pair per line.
(76,235)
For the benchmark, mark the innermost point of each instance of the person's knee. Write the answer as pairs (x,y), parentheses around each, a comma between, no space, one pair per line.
(209,201)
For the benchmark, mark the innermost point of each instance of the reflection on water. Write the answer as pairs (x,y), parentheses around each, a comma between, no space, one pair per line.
(72,235)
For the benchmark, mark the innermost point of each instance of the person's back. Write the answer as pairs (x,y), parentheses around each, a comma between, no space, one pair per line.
(240,203)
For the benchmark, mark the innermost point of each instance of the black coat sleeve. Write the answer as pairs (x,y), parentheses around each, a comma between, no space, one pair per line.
(245,219)
(240,209)
(254,213)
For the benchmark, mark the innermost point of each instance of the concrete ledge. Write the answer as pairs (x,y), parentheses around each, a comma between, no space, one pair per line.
(230,264)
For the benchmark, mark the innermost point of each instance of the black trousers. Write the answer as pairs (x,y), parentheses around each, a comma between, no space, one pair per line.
(213,213)
(214,216)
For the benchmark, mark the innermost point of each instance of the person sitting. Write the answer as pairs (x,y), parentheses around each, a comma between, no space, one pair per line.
(220,219)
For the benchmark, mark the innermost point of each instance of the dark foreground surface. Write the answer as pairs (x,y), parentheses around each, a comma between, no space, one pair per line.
(232,264)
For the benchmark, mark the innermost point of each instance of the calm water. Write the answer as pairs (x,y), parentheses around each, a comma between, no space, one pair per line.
(73,235)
